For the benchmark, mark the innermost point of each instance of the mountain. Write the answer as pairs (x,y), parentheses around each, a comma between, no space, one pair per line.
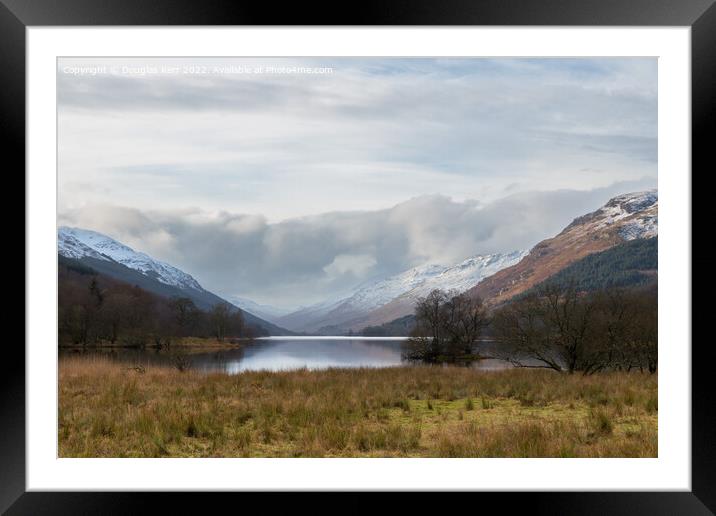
(300,319)
(365,306)
(117,260)
(400,327)
(78,243)
(624,218)
(496,277)
(268,312)
(629,264)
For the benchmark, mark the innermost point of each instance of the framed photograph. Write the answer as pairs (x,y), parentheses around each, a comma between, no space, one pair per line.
(423,248)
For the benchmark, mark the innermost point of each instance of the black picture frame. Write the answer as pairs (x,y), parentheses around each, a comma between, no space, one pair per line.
(700,15)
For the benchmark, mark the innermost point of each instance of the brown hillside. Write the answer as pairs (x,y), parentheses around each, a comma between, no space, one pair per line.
(623,218)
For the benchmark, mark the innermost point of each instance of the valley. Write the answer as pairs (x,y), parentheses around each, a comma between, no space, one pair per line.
(377,305)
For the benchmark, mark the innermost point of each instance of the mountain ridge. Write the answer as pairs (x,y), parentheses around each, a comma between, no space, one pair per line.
(108,256)
(623,218)
(73,242)
(493,277)
(354,312)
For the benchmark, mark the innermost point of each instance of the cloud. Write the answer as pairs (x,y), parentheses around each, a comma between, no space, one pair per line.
(354,264)
(288,189)
(304,260)
(366,137)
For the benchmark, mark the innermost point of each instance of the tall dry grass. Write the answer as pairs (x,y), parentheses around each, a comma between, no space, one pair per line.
(109,410)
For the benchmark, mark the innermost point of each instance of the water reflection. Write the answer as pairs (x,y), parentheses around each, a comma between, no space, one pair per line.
(281,354)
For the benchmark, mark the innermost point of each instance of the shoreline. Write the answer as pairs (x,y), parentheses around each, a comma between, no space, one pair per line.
(192,343)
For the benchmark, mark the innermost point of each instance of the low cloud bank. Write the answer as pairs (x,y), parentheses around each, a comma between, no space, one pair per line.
(305,260)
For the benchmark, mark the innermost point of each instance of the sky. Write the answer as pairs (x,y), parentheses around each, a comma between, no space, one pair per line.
(289,181)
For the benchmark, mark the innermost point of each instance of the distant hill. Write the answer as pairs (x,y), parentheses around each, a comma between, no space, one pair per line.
(625,265)
(80,248)
(267,312)
(400,327)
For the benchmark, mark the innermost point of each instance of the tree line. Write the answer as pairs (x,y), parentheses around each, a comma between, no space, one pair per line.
(95,309)
(556,326)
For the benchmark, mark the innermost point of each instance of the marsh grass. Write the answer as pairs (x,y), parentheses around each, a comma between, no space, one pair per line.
(109,410)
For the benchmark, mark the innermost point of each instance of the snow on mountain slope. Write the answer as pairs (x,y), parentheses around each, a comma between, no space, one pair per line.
(624,217)
(406,286)
(419,281)
(381,292)
(641,210)
(69,246)
(466,274)
(642,227)
(78,243)
(634,215)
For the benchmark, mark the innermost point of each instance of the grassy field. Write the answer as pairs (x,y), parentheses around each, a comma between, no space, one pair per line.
(108,410)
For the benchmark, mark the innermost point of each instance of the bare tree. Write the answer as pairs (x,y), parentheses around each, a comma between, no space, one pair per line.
(559,328)
(219,318)
(613,321)
(115,310)
(551,327)
(521,330)
(644,331)
(465,320)
(93,308)
(429,312)
(569,319)
(237,326)
(186,315)
(426,338)
(447,327)
(625,328)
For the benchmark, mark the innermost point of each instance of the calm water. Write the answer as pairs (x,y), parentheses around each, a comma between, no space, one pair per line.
(286,353)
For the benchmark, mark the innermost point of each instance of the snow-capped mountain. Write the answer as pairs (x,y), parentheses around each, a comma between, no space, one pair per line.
(494,278)
(634,215)
(641,211)
(466,274)
(407,286)
(420,281)
(624,217)
(112,258)
(78,243)
(380,292)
